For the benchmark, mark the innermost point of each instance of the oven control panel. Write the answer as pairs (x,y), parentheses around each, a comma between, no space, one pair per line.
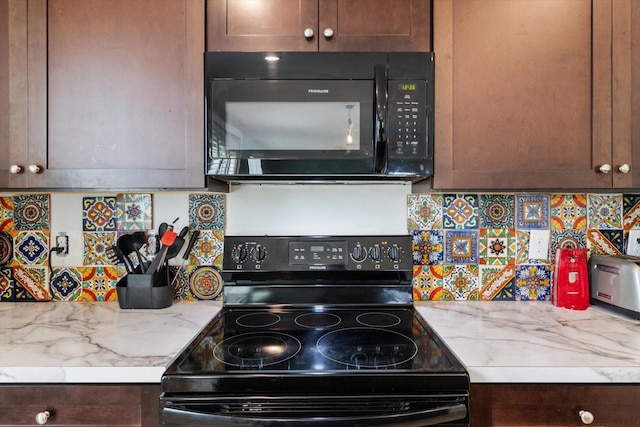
(317,253)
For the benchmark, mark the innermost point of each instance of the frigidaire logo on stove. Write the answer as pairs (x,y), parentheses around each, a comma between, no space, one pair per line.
(317,267)
(317,90)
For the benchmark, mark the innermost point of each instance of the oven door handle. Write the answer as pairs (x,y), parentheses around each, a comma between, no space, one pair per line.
(429,417)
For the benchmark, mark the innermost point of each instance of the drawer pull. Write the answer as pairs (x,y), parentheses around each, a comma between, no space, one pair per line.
(586,417)
(42,417)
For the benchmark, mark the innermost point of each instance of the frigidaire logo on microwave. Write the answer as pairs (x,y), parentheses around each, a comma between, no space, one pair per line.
(317,90)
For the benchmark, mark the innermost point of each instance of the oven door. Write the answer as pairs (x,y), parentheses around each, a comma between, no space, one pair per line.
(314,411)
(290,127)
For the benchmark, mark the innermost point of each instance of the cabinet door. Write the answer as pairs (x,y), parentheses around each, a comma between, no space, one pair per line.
(262,25)
(81,405)
(375,25)
(326,25)
(553,404)
(626,94)
(523,94)
(116,95)
(13,92)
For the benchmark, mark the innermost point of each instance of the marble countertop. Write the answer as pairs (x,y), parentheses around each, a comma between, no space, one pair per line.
(94,342)
(73,342)
(536,342)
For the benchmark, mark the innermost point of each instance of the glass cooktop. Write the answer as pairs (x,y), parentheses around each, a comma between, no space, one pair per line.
(316,340)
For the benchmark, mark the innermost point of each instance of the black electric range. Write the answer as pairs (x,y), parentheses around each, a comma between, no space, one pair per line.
(316,331)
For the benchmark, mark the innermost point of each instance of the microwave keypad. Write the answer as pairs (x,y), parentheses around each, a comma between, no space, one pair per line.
(407,127)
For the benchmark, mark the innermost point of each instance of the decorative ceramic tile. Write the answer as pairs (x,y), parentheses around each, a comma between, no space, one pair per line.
(604,211)
(95,247)
(31,212)
(461,281)
(460,211)
(31,247)
(606,242)
(6,284)
(532,211)
(424,211)
(533,283)
(99,283)
(6,248)
(567,239)
(630,210)
(496,210)
(568,211)
(461,247)
(99,213)
(66,284)
(428,284)
(181,285)
(496,282)
(522,249)
(427,247)
(206,211)
(6,214)
(134,211)
(497,246)
(31,284)
(208,248)
(205,283)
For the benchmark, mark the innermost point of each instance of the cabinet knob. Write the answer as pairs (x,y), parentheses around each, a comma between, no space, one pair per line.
(625,168)
(586,417)
(15,169)
(35,169)
(42,417)
(328,32)
(606,168)
(308,33)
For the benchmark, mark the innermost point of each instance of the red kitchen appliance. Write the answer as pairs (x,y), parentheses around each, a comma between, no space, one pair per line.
(570,279)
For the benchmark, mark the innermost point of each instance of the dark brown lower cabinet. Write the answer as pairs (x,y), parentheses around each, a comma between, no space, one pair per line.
(554,404)
(80,405)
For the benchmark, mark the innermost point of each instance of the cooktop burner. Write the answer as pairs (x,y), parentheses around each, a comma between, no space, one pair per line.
(256,349)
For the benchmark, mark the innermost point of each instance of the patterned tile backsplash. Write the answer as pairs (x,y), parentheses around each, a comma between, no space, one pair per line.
(26,273)
(464,246)
(478,246)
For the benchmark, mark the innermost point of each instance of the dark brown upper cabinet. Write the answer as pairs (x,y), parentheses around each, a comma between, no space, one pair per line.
(325,25)
(110,94)
(533,95)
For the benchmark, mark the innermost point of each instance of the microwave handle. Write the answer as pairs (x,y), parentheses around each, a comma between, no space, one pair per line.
(382,95)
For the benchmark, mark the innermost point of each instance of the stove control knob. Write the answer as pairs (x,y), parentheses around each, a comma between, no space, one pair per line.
(358,253)
(394,253)
(375,253)
(239,254)
(258,253)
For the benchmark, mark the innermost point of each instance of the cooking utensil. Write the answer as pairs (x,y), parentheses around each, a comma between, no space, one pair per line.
(187,253)
(115,256)
(138,240)
(166,241)
(125,245)
(177,245)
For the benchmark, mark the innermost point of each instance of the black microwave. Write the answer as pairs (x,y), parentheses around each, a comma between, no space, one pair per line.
(319,116)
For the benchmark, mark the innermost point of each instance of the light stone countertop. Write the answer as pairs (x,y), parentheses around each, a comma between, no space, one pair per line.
(530,342)
(536,342)
(94,342)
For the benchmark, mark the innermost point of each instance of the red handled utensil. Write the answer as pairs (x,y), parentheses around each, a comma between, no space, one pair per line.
(166,241)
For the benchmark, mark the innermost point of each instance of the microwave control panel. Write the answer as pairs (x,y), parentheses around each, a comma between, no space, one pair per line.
(407,129)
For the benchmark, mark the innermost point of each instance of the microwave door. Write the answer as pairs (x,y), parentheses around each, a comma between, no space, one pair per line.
(291,127)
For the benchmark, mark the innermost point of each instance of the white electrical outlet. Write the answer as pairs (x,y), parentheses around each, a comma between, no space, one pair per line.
(633,243)
(62,244)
